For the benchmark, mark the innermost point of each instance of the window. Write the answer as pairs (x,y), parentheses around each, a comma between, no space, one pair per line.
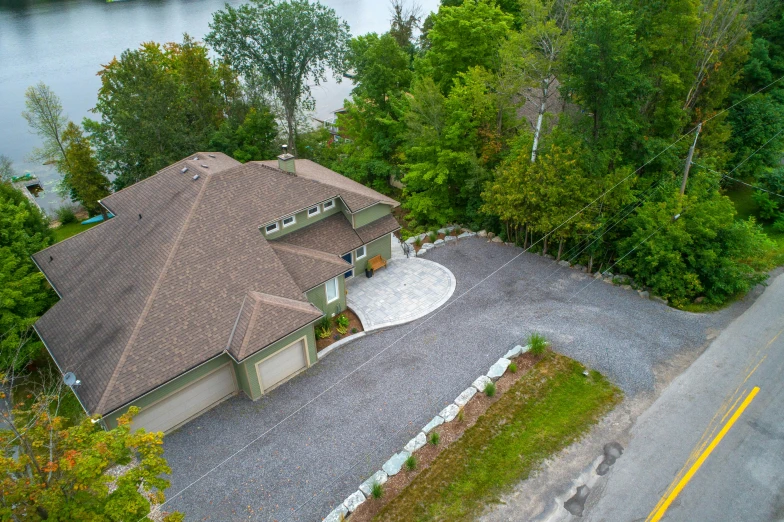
(332,290)
(329,204)
(313,211)
(360,253)
(271,228)
(288,221)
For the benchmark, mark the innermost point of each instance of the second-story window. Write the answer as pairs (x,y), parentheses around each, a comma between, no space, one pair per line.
(329,204)
(271,228)
(313,211)
(288,221)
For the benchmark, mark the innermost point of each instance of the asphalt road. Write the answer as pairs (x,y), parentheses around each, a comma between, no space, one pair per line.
(741,474)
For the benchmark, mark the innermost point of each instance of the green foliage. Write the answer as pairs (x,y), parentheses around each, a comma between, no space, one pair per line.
(249,139)
(64,467)
(7,170)
(158,104)
(490,389)
(462,37)
(377,491)
(82,176)
(435,438)
(411,463)
(538,343)
(65,214)
(294,44)
(460,415)
(513,367)
(45,117)
(324,328)
(433,237)
(769,207)
(24,292)
(757,135)
(342,320)
(354,330)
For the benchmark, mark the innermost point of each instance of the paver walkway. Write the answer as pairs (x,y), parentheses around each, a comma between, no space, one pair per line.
(405,290)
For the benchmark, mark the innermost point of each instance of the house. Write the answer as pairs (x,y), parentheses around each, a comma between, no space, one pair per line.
(207,283)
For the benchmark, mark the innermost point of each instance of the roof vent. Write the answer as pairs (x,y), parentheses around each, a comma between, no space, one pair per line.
(211,155)
(204,166)
(195,158)
(286,161)
(195,177)
(184,170)
(51,259)
(140,216)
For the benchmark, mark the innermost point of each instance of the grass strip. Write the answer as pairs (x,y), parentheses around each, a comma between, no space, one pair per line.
(71,229)
(542,413)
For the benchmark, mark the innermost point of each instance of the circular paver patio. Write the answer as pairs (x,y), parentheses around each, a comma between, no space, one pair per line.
(405,290)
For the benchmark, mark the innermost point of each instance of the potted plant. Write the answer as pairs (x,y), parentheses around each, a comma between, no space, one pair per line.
(368,272)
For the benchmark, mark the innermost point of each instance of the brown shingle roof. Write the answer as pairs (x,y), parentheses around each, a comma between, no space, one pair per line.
(157,290)
(333,235)
(308,267)
(376,229)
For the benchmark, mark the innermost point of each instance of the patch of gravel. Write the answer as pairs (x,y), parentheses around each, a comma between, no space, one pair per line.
(313,439)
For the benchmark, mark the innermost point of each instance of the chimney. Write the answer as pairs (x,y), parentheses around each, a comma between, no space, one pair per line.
(286,161)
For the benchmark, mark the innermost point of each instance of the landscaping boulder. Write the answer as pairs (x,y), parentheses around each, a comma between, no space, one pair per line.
(644,294)
(354,501)
(659,299)
(581,268)
(393,465)
(466,234)
(514,352)
(626,287)
(497,239)
(449,413)
(416,443)
(699,300)
(450,238)
(438,242)
(482,233)
(548,256)
(490,235)
(379,477)
(337,514)
(498,369)
(597,275)
(481,382)
(437,421)
(466,396)
(565,263)
(428,246)
(526,348)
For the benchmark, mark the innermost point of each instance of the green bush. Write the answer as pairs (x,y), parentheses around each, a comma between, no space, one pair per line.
(513,367)
(538,343)
(435,438)
(778,225)
(66,214)
(490,389)
(354,330)
(460,416)
(433,237)
(418,242)
(341,320)
(411,463)
(377,491)
(323,328)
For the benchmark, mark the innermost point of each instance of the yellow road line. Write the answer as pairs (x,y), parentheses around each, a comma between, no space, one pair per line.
(658,513)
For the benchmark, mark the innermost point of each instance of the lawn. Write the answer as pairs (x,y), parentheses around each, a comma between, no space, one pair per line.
(71,229)
(542,413)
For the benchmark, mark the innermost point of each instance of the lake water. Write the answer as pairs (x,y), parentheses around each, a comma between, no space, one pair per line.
(64,42)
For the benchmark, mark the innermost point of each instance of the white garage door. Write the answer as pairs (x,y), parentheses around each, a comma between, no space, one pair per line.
(189,402)
(281,366)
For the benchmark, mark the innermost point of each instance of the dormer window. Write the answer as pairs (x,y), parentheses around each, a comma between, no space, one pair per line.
(271,228)
(313,211)
(329,204)
(288,221)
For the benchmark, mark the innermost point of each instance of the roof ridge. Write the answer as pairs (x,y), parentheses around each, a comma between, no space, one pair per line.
(285,302)
(153,294)
(311,252)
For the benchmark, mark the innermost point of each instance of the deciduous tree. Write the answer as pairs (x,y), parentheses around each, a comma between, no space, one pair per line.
(82,176)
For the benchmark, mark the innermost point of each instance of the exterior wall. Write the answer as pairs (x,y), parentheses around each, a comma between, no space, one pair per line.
(318,296)
(170,387)
(370,214)
(247,369)
(302,220)
(380,247)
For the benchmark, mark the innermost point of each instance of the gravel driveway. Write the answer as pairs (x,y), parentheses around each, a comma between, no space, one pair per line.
(302,449)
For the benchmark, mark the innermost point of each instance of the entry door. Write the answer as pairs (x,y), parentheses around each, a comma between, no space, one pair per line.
(350,273)
(283,365)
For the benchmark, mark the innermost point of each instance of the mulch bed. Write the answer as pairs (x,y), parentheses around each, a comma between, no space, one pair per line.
(353,322)
(448,432)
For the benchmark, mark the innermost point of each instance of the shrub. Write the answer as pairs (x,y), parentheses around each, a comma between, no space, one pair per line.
(433,237)
(323,328)
(435,438)
(513,367)
(342,330)
(490,389)
(354,330)
(456,231)
(411,463)
(460,416)
(538,343)
(341,320)
(778,225)
(66,214)
(377,491)
(418,243)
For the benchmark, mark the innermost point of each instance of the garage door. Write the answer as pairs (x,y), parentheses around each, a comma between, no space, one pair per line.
(283,365)
(191,401)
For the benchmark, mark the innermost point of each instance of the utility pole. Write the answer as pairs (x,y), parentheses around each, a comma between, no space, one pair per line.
(688,159)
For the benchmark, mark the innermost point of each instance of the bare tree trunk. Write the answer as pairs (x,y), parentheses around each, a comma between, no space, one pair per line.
(525,236)
(560,249)
(590,264)
(292,130)
(539,118)
(544,251)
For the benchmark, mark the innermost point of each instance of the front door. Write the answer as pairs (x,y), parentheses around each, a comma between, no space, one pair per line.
(350,273)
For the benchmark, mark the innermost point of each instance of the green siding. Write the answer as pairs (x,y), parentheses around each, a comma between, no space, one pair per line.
(252,387)
(380,247)
(318,296)
(302,220)
(370,214)
(169,388)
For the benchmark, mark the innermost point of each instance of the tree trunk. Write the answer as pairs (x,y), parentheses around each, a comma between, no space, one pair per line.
(590,264)
(540,117)
(525,236)
(560,249)
(291,126)
(544,251)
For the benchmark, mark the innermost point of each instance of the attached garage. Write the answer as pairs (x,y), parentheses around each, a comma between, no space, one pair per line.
(282,365)
(188,402)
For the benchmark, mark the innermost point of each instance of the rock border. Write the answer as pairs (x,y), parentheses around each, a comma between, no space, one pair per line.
(395,463)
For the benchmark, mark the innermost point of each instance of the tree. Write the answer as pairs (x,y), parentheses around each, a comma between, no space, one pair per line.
(293,42)
(46,119)
(158,104)
(251,139)
(757,135)
(82,177)
(405,20)
(6,168)
(24,292)
(51,470)
(462,37)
